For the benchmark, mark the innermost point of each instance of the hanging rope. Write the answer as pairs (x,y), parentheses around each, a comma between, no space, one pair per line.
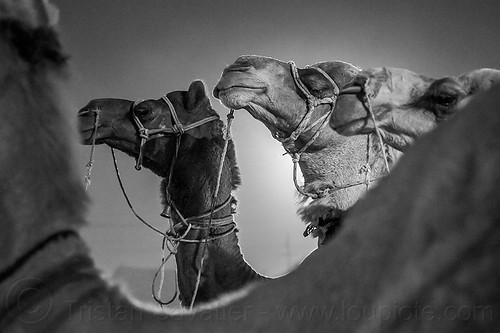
(90,164)
(161,271)
(171,238)
(117,172)
(227,137)
(366,168)
(369,94)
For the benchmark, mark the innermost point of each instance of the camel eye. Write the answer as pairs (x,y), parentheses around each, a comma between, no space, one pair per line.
(444,99)
(141,111)
(444,105)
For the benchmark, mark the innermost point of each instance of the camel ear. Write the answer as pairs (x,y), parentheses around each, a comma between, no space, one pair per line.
(36,13)
(479,79)
(317,84)
(197,95)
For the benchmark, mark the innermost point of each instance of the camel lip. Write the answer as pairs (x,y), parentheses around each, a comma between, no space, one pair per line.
(224,94)
(83,113)
(86,135)
(236,86)
(399,141)
(236,68)
(353,127)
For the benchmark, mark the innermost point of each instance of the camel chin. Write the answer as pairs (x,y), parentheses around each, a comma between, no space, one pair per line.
(354,127)
(398,141)
(237,97)
(86,137)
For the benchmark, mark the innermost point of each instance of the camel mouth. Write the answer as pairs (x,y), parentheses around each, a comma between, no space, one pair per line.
(354,127)
(236,96)
(86,126)
(399,141)
(83,112)
(228,90)
(87,136)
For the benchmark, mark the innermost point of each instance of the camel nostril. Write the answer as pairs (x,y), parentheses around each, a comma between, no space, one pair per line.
(216,92)
(237,68)
(83,112)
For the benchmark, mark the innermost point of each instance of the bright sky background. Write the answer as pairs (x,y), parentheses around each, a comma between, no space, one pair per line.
(145,48)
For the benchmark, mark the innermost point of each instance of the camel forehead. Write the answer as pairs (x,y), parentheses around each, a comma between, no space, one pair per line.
(397,84)
(260,62)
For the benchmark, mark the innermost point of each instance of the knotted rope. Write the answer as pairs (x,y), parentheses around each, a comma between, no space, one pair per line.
(170,241)
(369,95)
(90,164)
(227,137)
(171,238)
(289,142)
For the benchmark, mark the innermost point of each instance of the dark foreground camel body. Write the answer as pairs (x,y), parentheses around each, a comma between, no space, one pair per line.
(419,253)
(192,176)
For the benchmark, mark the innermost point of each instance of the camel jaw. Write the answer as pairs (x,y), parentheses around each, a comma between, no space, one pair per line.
(354,127)
(86,127)
(237,97)
(86,136)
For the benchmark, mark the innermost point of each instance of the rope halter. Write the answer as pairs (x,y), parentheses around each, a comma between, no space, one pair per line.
(305,124)
(311,103)
(366,100)
(177,128)
(178,232)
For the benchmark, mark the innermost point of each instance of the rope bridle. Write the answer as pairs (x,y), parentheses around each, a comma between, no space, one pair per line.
(368,94)
(312,102)
(289,143)
(205,221)
(90,164)
(177,128)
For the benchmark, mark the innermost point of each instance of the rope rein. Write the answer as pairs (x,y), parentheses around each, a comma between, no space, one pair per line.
(311,102)
(172,238)
(289,142)
(227,137)
(369,95)
(90,164)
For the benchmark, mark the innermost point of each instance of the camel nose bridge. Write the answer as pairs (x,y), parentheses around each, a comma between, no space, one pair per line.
(94,105)
(247,61)
(89,108)
(244,59)
(237,67)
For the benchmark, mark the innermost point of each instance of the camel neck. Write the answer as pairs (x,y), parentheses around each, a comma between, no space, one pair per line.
(192,188)
(36,265)
(194,178)
(20,262)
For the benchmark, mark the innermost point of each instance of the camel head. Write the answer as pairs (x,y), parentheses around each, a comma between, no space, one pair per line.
(116,126)
(405,104)
(266,89)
